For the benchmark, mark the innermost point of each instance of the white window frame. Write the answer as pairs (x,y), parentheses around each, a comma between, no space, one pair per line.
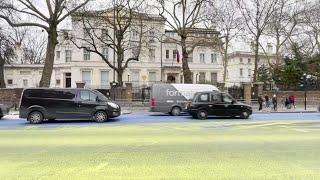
(202,58)
(152,54)
(105,52)
(68,55)
(25,82)
(102,81)
(86,55)
(155,76)
(58,55)
(90,72)
(214,58)
(167,54)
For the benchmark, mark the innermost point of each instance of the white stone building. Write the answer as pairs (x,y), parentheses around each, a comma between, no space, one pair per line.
(240,67)
(157,62)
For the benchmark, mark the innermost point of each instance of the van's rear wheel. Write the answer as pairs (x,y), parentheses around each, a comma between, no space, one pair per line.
(35,117)
(100,116)
(175,111)
(202,114)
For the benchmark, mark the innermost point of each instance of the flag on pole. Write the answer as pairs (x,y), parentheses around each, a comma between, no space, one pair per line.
(178,57)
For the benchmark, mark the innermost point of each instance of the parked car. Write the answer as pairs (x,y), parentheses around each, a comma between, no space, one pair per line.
(3,110)
(173,98)
(206,104)
(39,104)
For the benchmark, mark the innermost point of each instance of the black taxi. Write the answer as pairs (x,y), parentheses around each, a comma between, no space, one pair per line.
(215,103)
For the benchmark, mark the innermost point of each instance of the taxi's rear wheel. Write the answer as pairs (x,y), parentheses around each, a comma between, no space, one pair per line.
(245,114)
(202,114)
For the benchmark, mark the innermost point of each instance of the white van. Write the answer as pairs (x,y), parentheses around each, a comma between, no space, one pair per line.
(173,98)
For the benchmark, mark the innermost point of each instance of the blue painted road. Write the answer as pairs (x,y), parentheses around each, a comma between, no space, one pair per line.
(12,121)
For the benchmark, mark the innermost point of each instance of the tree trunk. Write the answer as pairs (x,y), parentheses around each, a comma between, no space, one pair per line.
(256,59)
(50,53)
(278,58)
(2,82)
(225,59)
(119,77)
(185,66)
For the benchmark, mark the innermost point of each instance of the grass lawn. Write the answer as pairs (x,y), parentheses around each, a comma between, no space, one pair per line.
(213,149)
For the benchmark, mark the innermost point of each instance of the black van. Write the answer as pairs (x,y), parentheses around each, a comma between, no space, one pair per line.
(205,104)
(38,104)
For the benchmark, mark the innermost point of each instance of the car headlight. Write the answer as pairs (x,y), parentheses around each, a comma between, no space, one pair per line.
(113,105)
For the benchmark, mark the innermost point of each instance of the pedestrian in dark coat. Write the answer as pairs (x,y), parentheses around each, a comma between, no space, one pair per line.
(260,101)
(266,98)
(275,102)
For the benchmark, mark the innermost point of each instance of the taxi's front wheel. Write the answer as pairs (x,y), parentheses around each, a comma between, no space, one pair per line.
(245,114)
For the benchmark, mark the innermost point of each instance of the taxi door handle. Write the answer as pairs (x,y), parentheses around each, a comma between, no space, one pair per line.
(210,105)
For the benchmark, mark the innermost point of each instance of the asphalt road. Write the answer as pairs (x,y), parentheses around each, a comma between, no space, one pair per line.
(12,121)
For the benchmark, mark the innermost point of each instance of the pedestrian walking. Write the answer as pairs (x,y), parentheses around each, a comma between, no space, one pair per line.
(260,101)
(292,99)
(266,98)
(288,103)
(275,102)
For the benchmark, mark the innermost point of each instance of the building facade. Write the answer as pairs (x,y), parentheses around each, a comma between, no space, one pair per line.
(159,60)
(240,67)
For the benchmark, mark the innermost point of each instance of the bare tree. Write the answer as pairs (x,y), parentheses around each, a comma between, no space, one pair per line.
(226,17)
(182,17)
(30,45)
(15,13)
(283,22)
(312,26)
(257,16)
(6,54)
(125,34)
(34,49)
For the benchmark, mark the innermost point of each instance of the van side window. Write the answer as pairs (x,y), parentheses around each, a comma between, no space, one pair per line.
(67,95)
(216,98)
(50,94)
(33,93)
(203,98)
(88,96)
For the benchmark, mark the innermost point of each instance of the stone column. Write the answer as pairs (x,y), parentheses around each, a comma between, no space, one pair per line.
(259,86)
(128,92)
(247,92)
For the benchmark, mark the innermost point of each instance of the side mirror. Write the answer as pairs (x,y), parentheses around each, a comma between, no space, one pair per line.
(233,101)
(97,99)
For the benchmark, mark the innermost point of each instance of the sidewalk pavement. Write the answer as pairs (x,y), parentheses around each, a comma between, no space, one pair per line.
(285,110)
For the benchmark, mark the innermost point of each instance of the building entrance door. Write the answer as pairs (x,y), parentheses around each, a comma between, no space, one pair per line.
(171,79)
(67,79)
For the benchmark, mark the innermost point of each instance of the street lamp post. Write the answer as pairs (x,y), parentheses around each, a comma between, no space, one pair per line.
(305,90)
(161,57)
(114,39)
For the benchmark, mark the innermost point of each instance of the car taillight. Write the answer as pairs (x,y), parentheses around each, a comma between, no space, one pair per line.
(153,103)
